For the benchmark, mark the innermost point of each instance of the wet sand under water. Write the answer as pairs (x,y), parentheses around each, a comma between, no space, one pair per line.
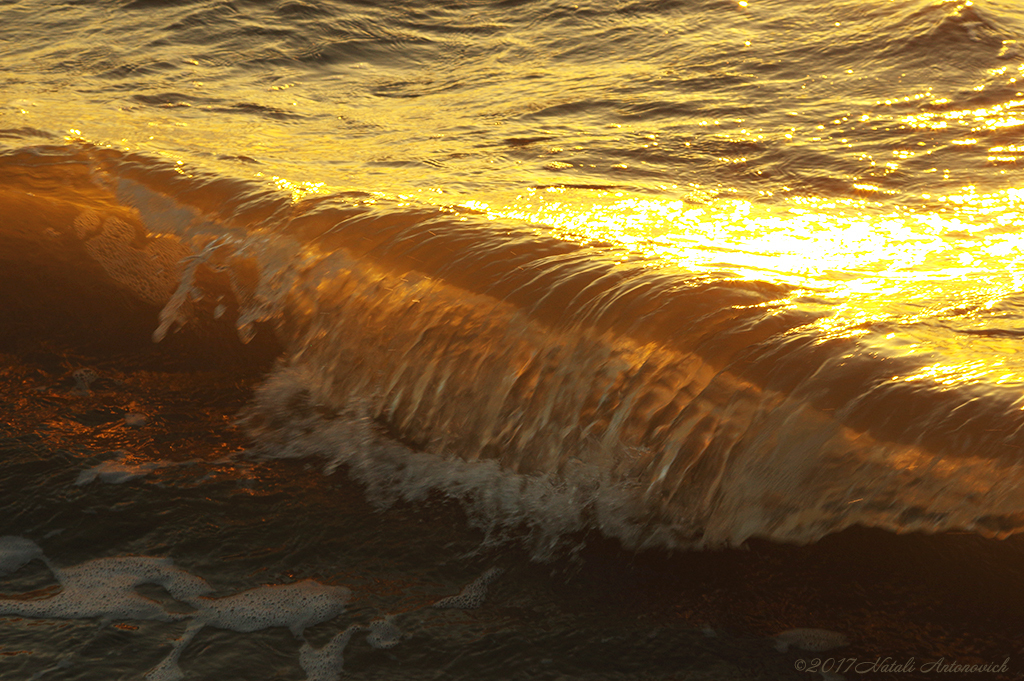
(241,522)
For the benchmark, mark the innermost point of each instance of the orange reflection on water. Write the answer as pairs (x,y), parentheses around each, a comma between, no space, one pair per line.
(298,190)
(934,282)
(1002,115)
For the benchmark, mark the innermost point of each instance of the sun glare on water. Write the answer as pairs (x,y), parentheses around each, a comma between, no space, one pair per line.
(910,279)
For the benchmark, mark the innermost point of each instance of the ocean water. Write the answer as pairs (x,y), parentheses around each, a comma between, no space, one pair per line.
(511,340)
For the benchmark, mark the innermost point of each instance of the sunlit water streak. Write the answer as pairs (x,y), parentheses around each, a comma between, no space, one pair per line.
(923,278)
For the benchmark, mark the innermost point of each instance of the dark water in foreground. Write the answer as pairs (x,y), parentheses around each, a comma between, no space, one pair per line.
(525,340)
(90,487)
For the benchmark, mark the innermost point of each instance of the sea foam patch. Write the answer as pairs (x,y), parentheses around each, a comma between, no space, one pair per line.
(287,420)
(84,378)
(472,595)
(325,663)
(295,606)
(103,588)
(384,633)
(16,552)
(107,589)
(812,640)
(117,471)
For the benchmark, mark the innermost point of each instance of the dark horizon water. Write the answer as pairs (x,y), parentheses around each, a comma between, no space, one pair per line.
(660,328)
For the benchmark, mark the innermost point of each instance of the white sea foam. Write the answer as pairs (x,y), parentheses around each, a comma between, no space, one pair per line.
(16,552)
(145,265)
(812,640)
(551,507)
(117,471)
(168,669)
(384,633)
(472,596)
(326,663)
(106,589)
(84,378)
(135,420)
(295,606)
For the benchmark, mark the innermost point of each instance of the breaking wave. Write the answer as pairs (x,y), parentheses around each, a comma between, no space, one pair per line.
(539,381)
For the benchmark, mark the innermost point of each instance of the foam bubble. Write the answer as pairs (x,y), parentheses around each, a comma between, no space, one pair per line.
(813,640)
(87,224)
(296,606)
(105,588)
(168,669)
(472,596)
(84,378)
(147,266)
(16,552)
(325,663)
(287,420)
(384,633)
(135,420)
(117,471)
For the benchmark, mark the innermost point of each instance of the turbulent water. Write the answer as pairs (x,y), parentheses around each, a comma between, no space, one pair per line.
(541,276)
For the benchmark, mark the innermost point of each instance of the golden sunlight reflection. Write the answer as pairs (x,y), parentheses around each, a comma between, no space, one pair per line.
(298,190)
(1002,115)
(912,281)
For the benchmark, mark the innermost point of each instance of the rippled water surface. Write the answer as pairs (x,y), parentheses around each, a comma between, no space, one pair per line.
(655,329)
